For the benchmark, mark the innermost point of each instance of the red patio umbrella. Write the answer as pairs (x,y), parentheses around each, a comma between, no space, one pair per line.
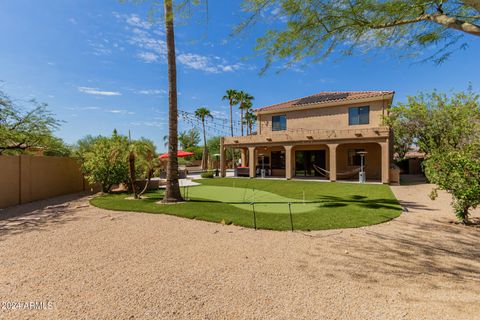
(180,154)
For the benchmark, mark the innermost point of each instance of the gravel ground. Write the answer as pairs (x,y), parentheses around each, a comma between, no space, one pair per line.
(96,264)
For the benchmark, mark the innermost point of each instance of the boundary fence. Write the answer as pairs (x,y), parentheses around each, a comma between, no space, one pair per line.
(27,178)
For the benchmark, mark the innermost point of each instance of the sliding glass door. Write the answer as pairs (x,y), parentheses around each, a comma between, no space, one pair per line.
(306,161)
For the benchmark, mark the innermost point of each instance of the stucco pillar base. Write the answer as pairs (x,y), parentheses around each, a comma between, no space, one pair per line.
(288,162)
(251,161)
(223,171)
(385,162)
(243,153)
(332,150)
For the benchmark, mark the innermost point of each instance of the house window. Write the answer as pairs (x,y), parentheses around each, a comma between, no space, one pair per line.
(279,123)
(278,159)
(354,157)
(358,115)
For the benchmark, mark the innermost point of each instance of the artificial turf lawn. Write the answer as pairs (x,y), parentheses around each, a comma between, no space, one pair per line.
(327,205)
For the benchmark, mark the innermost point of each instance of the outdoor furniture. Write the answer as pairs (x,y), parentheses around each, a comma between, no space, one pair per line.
(258,170)
(242,172)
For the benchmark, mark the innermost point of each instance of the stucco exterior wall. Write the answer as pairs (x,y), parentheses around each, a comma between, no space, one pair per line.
(30,178)
(373,159)
(324,118)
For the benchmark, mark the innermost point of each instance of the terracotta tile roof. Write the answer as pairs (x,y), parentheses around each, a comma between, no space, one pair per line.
(324,97)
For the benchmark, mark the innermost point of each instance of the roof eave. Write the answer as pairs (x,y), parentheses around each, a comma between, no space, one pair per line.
(387,96)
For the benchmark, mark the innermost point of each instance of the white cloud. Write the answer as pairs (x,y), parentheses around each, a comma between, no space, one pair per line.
(145,41)
(135,21)
(148,57)
(120,111)
(96,91)
(82,108)
(100,49)
(148,123)
(206,64)
(277,14)
(151,91)
(152,49)
(219,114)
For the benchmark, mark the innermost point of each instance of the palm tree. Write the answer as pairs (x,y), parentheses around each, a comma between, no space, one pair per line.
(140,152)
(172,190)
(203,113)
(250,119)
(147,161)
(232,97)
(245,101)
(165,141)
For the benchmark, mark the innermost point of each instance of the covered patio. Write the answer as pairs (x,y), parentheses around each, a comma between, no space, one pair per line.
(333,160)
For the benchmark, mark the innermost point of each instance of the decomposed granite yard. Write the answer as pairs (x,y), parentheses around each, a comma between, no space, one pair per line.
(91,263)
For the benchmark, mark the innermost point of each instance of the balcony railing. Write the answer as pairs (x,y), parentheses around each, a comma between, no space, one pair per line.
(303,135)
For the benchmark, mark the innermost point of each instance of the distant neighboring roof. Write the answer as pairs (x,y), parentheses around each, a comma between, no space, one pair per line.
(326,97)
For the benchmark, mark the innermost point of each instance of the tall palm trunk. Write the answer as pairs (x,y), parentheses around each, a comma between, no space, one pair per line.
(205,151)
(231,118)
(241,118)
(133,179)
(234,165)
(172,191)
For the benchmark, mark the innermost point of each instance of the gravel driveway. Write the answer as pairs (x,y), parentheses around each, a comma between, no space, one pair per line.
(87,263)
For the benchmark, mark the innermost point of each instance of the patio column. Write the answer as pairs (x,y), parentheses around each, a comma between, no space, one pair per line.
(332,150)
(385,162)
(251,161)
(222,159)
(243,153)
(288,162)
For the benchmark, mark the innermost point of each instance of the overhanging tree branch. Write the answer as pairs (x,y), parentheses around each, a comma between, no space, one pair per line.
(475,4)
(441,19)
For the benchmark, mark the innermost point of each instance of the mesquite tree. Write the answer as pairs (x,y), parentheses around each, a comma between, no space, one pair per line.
(316,28)
(29,126)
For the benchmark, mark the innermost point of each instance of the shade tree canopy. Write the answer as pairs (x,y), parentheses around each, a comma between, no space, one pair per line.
(27,126)
(433,121)
(315,29)
(447,129)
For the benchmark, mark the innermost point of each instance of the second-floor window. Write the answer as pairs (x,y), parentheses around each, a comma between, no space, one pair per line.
(279,123)
(358,115)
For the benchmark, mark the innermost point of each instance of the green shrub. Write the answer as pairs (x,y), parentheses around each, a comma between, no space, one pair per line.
(105,162)
(207,174)
(198,151)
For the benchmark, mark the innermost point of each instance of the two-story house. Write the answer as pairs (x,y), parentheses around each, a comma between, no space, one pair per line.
(321,136)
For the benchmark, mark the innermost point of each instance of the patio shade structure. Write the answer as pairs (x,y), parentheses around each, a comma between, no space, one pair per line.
(180,154)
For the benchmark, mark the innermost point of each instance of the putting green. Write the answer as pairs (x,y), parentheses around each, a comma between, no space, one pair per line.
(242,198)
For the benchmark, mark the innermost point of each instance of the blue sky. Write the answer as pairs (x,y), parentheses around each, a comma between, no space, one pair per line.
(100,65)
